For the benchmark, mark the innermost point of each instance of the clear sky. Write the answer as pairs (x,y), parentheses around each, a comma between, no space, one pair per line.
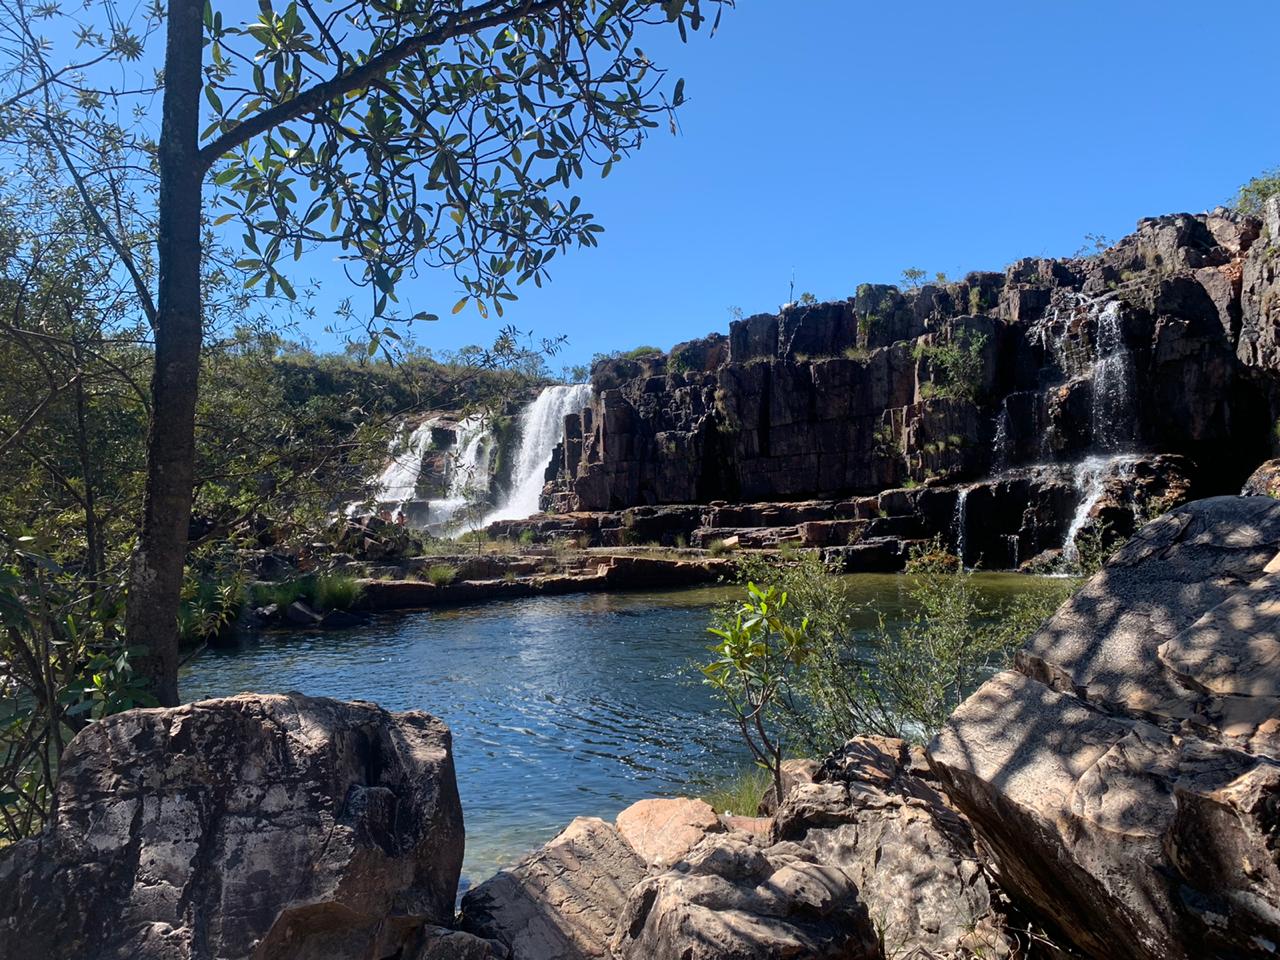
(844,141)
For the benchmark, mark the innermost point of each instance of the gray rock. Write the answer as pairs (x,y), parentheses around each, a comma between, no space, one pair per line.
(874,813)
(1125,776)
(299,614)
(731,900)
(561,902)
(255,826)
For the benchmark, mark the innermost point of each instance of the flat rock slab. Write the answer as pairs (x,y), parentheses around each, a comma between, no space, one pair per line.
(256,826)
(562,901)
(663,831)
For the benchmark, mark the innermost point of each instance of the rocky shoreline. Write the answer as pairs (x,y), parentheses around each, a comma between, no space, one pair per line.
(1113,795)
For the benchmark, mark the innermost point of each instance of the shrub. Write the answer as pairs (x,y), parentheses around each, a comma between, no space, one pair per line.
(955,366)
(718,548)
(895,680)
(753,668)
(741,793)
(1254,194)
(442,574)
(527,537)
(336,591)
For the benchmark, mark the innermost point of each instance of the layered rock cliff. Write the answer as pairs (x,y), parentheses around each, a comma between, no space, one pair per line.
(1051,386)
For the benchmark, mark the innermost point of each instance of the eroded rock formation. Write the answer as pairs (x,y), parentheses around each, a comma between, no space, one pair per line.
(1125,776)
(258,826)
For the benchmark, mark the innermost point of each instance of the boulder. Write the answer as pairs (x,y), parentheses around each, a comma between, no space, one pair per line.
(259,826)
(662,831)
(441,943)
(1264,482)
(562,901)
(1124,777)
(875,811)
(731,900)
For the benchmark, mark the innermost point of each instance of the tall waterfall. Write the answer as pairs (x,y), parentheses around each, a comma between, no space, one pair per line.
(1112,418)
(541,428)
(468,473)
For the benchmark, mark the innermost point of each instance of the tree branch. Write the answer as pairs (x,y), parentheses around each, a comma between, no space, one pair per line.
(313,98)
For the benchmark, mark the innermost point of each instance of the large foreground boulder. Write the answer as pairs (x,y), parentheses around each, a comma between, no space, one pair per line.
(1125,776)
(271,827)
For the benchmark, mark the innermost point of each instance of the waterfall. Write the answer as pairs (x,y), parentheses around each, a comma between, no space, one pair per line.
(1091,475)
(960,522)
(1000,456)
(1112,416)
(398,481)
(468,473)
(541,428)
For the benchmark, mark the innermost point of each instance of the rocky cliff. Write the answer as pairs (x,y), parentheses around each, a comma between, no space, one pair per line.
(1053,385)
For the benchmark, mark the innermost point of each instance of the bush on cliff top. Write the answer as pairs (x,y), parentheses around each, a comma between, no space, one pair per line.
(1258,191)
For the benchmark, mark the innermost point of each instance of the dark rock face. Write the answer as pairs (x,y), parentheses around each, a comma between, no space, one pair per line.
(255,826)
(1164,344)
(1265,481)
(1125,775)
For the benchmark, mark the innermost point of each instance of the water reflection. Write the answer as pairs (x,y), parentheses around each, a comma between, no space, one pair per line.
(559,706)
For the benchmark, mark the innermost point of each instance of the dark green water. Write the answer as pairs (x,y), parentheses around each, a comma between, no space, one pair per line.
(559,706)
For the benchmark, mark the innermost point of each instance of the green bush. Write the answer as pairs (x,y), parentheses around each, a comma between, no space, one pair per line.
(527,537)
(1254,194)
(955,366)
(897,679)
(718,548)
(335,591)
(442,574)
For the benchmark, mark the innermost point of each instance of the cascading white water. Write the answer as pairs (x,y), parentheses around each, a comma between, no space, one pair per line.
(1112,416)
(541,428)
(1000,454)
(468,473)
(1091,475)
(398,481)
(960,523)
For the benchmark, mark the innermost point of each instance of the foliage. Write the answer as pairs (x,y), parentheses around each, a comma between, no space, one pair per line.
(719,548)
(63,662)
(955,365)
(442,574)
(741,793)
(901,680)
(1254,194)
(753,668)
(335,591)
(913,277)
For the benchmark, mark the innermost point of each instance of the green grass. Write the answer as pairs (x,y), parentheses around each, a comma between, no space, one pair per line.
(740,794)
(718,548)
(335,591)
(442,574)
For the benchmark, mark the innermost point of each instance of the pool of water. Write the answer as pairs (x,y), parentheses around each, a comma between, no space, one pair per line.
(559,706)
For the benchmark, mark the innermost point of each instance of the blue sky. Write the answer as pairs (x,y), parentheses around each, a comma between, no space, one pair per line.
(846,141)
(841,142)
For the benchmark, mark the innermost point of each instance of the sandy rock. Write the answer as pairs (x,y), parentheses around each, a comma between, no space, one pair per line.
(263,826)
(562,901)
(663,831)
(731,900)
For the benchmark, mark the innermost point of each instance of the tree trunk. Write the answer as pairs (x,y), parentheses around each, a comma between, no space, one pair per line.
(155,584)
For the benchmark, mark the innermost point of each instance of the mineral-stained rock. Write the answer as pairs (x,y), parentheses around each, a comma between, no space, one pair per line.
(1125,776)
(562,901)
(1265,481)
(662,831)
(731,900)
(255,826)
(874,812)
